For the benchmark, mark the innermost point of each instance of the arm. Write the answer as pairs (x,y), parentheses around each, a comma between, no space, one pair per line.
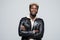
(39,33)
(22,30)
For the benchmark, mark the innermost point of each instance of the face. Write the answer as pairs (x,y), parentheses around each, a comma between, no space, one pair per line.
(33,10)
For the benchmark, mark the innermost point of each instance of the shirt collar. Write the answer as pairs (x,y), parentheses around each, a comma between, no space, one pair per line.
(30,18)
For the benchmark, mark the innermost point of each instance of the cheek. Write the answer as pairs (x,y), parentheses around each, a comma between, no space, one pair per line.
(33,10)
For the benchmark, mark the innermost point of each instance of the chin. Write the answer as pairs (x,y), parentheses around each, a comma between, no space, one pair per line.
(33,15)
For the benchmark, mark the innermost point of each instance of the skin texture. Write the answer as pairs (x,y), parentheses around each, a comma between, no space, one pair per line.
(23,28)
(33,11)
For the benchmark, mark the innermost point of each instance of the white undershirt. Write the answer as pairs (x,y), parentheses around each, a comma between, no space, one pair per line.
(32,22)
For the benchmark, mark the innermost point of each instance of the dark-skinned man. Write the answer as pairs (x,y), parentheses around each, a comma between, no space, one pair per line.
(31,27)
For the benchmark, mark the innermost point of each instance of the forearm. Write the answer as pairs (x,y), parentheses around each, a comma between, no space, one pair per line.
(26,33)
(39,33)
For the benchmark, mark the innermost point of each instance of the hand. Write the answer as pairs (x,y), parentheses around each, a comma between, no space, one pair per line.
(22,28)
(34,31)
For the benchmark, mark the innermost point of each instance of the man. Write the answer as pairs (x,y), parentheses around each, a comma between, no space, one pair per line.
(31,27)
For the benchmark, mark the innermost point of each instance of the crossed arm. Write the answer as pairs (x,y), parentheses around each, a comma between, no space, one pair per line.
(35,33)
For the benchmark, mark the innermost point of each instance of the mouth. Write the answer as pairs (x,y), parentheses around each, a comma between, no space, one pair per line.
(34,12)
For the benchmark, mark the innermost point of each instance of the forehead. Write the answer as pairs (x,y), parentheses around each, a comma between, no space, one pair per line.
(34,6)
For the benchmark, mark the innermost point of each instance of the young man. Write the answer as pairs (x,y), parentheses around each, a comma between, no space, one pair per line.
(31,27)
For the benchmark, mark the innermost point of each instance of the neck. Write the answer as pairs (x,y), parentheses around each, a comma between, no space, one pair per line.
(32,17)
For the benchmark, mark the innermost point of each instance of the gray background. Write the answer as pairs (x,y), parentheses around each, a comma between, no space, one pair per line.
(11,11)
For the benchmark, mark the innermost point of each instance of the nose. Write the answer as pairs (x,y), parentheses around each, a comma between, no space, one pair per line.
(34,9)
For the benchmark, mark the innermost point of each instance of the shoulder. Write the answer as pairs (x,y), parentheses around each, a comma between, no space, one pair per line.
(25,18)
(40,19)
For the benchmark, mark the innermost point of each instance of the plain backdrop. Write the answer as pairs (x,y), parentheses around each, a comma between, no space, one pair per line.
(11,11)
